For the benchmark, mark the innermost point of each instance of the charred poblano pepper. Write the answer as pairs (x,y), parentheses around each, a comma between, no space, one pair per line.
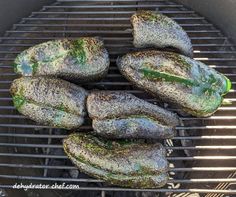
(50,101)
(122,115)
(151,29)
(128,164)
(83,59)
(174,78)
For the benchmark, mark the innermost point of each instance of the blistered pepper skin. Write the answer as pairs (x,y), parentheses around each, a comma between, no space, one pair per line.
(83,59)
(126,164)
(50,101)
(122,115)
(174,78)
(152,29)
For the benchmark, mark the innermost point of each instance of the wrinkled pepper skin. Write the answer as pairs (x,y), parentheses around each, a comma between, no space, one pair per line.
(83,59)
(177,79)
(126,164)
(151,29)
(122,115)
(50,101)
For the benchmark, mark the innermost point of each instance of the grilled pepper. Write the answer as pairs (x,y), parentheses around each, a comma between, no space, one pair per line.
(49,101)
(122,115)
(83,59)
(151,29)
(174,78)
(128,164)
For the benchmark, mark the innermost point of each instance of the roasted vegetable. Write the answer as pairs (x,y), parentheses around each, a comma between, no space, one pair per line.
(128,164)
(174,78)
(122,115)
(83,59)
(50,101)
(151,29)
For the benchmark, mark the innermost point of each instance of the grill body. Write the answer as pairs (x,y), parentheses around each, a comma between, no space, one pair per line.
(202,155)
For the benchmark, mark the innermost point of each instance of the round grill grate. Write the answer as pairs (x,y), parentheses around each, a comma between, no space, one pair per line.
(202,155)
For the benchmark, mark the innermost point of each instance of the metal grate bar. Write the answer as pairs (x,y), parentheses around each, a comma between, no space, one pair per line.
(119,45)
(97,31)
(109,1)
(126,50)
(99,83)
(112,6)
(112,12)
(117,75)
(171,109)
(100,25)
(114,68)
(104,38)
(215,137)
(32,135)
(196,52)
(169,158)
(195,169)
(182,118)
(139,92)
(210,127)
(221,147)
(219,137)
(118,39)
(104,19)
(217,191)
(95,180)
(130,91)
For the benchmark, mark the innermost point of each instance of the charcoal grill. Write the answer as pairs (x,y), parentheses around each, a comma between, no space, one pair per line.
(202,155)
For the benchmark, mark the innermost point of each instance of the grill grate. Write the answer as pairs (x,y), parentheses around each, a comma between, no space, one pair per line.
(202,155)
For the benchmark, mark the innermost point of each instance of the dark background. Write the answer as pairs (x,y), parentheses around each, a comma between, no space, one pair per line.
(11,11)
(219,12)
